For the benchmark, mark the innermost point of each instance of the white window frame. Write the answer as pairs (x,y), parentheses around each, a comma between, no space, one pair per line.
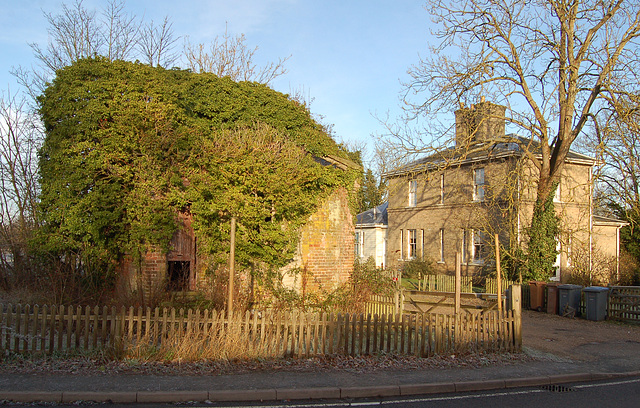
(412,243)
(413,193)
(464,249)
(569,244)
(478,247)
(478,184)
(557,194)
(359,244)
(558,262)
(441,245)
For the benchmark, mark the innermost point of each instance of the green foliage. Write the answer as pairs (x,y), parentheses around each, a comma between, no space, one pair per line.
(512,262)
(541,250)
(372,193)
(417,268)
(366,280)
(350,297)
(128,146)
(629,234)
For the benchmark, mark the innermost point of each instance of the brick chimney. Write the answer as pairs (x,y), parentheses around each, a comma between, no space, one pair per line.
(479,123)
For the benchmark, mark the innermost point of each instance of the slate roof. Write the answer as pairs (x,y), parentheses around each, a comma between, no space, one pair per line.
(377,215)
(599,219)
(512,145)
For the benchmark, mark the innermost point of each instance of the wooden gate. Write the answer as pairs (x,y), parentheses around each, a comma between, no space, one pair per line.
(624,303)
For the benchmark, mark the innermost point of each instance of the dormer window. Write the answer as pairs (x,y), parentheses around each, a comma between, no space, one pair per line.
(478,184)
(413,189)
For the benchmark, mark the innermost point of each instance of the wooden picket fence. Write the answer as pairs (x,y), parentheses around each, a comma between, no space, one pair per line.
(49,329)
(445,283)
(385,305)
(491,285)
(624,303)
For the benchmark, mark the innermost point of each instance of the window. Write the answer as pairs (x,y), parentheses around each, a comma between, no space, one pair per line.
(478,184)
(478,246)
(401,244)
(556,264)
(359,243)
(556,196)
(465,246)
(413,187)
(442,245)
(442,188)
(413,243)
(569,242)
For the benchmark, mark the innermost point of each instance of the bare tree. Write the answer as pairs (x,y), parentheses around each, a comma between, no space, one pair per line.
(618,144)
(230,56)
(550,62)
(73,34)
(78,32)
(122,31)
(157,43)
(20,138)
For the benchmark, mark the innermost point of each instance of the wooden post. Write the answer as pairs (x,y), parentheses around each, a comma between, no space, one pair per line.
(499,277)
(232,266)
(458,278)
(516,296)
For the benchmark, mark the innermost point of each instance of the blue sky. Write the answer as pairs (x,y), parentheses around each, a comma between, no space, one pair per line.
(349,56)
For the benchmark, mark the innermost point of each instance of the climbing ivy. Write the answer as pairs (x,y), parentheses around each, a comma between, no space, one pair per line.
(542,250)
(128,146)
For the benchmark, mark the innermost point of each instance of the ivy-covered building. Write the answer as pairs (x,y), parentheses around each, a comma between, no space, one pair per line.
(143,168)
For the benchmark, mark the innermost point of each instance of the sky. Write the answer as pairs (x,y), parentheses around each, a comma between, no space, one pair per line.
(348,56)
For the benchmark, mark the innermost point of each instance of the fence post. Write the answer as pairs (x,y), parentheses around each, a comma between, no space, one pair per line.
(232,266)
(499,278)
(516,307)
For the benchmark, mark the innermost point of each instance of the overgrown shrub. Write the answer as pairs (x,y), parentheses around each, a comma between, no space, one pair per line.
(600,270)
(629,274)
(418,268)
(367,279)
(350,297)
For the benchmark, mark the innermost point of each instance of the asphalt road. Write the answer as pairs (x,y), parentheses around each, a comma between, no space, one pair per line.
(620,393)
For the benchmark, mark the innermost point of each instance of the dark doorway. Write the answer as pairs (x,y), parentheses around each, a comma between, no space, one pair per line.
(178,272)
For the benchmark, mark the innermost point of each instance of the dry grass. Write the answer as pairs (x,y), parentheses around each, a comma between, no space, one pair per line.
(231,343)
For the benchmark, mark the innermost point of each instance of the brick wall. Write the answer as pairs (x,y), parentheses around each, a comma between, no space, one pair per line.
(325,252)
(146,278)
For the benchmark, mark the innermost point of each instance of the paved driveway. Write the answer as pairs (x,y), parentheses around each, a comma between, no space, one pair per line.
(606,345)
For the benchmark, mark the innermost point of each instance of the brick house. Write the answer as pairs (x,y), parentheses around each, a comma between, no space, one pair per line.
(485,184)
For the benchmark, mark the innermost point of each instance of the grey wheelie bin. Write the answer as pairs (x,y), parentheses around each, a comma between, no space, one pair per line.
(595,299)
(569,300)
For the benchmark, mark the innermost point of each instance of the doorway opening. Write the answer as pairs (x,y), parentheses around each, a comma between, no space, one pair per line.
(178,273)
